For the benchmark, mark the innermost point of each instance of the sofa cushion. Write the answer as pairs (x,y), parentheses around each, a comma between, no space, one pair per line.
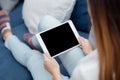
(16,15)
(34,10)
(80,16)
(84,34)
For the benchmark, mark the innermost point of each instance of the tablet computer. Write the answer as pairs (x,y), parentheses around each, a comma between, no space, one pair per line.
(59,39)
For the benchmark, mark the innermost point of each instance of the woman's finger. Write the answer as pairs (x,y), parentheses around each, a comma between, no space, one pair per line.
(81,41)
(47,55)
(44,56)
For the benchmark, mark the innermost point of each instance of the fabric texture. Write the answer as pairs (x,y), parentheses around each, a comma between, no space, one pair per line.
(26,57)
(8,4)
(34,10)
(80,16)
(87,68)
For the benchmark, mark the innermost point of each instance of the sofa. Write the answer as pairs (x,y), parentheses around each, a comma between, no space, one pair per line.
(10,69)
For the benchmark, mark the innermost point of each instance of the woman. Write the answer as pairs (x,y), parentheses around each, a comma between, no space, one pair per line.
(105,16)
(106,22)
(105,19)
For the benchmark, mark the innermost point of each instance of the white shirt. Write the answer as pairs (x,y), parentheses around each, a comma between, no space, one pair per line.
(87,68)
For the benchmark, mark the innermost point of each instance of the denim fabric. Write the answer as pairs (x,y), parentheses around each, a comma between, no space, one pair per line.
(33,59)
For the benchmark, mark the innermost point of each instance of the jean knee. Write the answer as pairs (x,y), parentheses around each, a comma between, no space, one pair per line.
(47,22)
(32,54)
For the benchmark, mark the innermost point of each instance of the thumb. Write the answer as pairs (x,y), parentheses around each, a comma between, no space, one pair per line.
(47,56)
(80,39)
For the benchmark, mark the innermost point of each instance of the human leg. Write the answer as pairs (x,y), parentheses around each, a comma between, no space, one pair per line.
(31,59)
(46,23)
(71,58)
(68,59)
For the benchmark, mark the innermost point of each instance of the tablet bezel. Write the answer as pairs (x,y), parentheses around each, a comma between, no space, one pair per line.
(43,46)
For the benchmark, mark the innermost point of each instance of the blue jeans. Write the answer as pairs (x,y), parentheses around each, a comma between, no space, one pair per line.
(33,59)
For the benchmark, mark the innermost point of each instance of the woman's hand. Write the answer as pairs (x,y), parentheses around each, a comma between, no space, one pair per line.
(51,64)
(85,45)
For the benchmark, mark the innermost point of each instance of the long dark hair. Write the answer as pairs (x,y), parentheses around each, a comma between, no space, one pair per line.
(106,21)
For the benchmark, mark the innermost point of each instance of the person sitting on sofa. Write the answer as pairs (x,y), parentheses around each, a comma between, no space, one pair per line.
(106,28)
(25,55)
